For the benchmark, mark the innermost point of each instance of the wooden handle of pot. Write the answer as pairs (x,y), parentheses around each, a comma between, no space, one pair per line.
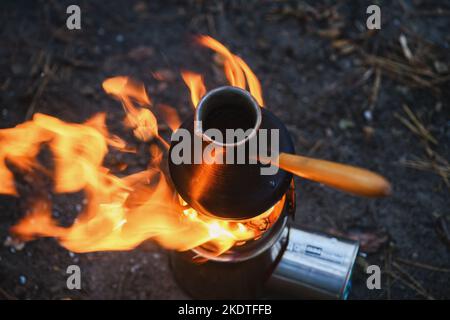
(351,179)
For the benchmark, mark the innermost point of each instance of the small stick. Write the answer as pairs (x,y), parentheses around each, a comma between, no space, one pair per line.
(6,295)
(315,147)
(375,89)
(388,267)
(424,132)
(408,284)
(49,71)
(164,142)
(413,280)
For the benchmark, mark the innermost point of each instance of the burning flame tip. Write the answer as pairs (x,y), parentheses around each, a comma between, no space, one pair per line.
(236,70)
(196,85)
(121,212)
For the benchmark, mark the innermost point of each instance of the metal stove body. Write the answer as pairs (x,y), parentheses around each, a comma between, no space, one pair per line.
(285,261)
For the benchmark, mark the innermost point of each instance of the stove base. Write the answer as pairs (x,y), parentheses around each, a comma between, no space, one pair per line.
(301,264)
(224,280)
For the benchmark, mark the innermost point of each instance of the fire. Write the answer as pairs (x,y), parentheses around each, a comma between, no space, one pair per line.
(121,212)
(237,71)
(142,120)
(225,234)
(19,146)
(170,116)
(194,81)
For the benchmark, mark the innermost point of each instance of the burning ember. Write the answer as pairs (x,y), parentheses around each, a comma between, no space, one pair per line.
(122,212)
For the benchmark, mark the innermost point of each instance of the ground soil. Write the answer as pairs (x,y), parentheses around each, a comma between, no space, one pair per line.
(314,61)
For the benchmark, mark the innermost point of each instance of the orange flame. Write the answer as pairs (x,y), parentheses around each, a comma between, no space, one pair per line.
(170,116)
(122,212)
(223,234)
(142,120)
(237,71)
(19,146)
(232,70)
(194,81)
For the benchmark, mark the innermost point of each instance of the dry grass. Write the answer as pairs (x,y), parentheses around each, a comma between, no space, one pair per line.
(415,125)
(434,162)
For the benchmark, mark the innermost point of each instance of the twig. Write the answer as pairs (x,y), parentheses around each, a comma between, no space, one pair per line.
(418,286)
(437,164)
(422,265)
(415,125)
(438,12)
(398,67)
(6,295)
(164,142)
(317,145)
(77,63)
(5,84)
(420,76)
(40,90)
(408,284)
(442,170)
(441,227)
(419,125)
(388,268)
(211,24)
(405,48)
(48,70)
(375,89)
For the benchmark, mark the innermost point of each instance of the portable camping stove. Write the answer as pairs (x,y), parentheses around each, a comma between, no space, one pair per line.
(282,258)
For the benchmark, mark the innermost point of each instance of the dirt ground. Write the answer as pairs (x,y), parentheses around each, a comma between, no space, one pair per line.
(375,99)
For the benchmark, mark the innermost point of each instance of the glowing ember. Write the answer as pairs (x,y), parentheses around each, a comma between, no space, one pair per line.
(122,212)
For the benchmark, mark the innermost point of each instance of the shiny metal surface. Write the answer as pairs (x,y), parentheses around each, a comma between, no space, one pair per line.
(269,241)
(315,266)
(213,111)
(233,191)
(240,273)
